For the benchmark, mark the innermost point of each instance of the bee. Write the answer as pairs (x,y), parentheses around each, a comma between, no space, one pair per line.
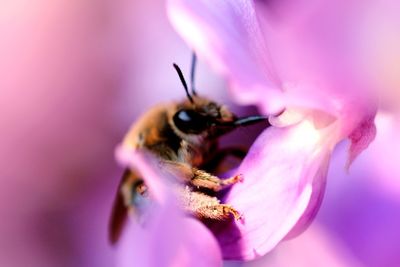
(183,136)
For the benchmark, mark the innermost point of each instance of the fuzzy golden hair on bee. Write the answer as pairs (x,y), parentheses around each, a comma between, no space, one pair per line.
(183,137)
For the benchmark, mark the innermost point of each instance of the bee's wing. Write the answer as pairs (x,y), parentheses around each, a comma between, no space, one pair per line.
(119,211)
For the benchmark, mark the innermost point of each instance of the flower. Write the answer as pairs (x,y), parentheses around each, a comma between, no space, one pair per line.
(57,168)
(299,64)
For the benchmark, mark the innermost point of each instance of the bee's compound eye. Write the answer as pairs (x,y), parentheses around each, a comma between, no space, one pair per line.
(190,121)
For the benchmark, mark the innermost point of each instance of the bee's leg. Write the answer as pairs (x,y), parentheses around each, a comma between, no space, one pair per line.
(219,157)
(217,212)
(207,207)
(206,180)
(199,178)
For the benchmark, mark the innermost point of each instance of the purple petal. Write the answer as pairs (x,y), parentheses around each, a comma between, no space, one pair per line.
(227,35)
(167,237)
(307,49)
(284,179)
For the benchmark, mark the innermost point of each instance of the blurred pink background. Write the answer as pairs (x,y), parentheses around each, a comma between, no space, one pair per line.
(75,74)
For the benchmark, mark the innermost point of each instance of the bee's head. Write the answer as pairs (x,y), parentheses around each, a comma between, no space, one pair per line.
(200,116)
(203,117)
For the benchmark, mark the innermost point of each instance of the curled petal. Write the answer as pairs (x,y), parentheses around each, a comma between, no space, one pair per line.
(318,185)
(227,35)
(360,138)
(284,179)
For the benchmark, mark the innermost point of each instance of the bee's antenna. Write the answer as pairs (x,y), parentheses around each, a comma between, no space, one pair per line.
(178,70)
(192,73)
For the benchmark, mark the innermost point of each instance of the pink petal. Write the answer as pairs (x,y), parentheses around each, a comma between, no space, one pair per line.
(317,195)
(284,179)
(199,246)
(307,49)
(169,239)
(166,237)
(227,35)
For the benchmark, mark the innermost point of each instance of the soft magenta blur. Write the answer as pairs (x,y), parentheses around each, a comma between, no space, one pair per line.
(75,74)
